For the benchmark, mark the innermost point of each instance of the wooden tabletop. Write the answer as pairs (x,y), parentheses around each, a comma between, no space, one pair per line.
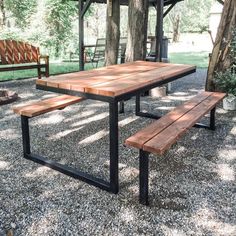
(116,79)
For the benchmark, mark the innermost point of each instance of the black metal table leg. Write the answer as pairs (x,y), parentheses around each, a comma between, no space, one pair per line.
(137,104)
(143,177)
(212,119)
(114,160)
(25,134)
(122,107)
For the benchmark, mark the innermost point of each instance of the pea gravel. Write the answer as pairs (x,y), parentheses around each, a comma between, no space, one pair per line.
(192,187)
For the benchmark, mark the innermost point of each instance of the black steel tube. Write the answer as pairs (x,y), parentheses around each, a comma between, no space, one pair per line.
(25,134)
(81,36)
(122,107)
(212,119)
(114,160)
(137,104)
(143,177)
(97,182)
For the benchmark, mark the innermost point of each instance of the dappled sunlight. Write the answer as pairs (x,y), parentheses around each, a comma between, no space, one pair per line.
(129,173)
(127,216)
(27,95)
(9,134)
(41,171)
(45,223)
(4,165)
(52,119)
(233,131)
(172,231)
(206,219)
(227,154)
(95,137)
(164,108)
(64,133)
(91,119)
(226,172)
(80,115)
(127,121)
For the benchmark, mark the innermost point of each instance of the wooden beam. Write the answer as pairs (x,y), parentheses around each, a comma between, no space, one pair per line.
(169,9)
(221,2)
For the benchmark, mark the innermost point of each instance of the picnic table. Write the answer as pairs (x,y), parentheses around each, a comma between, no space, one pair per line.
(111,84)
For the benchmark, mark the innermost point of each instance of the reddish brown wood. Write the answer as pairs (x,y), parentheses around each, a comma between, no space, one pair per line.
(47,105)
(140,138)
(117,79)
(13,53)
(162,134)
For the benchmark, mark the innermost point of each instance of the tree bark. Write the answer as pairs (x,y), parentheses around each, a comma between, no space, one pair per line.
(2,15)
(175,23)
(112,32)
(137,30)
(220,59)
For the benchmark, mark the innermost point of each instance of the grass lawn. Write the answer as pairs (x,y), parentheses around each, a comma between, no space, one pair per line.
(55,68)
(200,59)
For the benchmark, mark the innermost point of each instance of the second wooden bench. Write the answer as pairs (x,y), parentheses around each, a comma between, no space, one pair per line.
(163,133)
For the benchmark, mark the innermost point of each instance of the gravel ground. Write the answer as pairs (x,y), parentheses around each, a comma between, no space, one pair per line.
(192,187)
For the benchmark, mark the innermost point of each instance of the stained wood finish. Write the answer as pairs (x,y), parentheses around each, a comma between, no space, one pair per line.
(14,52)
(117,79)
(160,135)
(47,105)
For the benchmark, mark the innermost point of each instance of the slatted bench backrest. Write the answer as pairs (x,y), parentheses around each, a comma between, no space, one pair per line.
(15,52)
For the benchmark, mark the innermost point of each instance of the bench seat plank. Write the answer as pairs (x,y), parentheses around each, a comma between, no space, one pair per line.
(144,135)
(46,105)
(164,140)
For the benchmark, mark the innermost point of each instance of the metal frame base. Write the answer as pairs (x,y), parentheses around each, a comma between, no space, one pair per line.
(111,186)
(143,163)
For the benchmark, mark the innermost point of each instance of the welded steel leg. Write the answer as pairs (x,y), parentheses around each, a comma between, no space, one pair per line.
(25,134)
(212,119)
(114,178)
(137,105)
(122,107)
(143,177)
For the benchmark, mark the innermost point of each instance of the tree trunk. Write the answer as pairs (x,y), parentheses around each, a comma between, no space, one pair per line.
(2,15)
(137,30)
(220,58)
(112,32)
(175,23)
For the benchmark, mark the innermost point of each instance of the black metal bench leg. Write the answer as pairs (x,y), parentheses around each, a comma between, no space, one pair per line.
(212,119)
(122,107)
(25,135)
(143,177)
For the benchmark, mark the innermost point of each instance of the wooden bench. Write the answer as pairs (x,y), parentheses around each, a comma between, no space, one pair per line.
(38,108)
(15,55)
(47,105)
(159,136)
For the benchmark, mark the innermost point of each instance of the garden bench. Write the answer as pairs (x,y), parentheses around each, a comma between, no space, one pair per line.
(159,136)
(16,55)
(47,105)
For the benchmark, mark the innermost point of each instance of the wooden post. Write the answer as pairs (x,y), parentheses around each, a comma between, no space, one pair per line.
(159,29)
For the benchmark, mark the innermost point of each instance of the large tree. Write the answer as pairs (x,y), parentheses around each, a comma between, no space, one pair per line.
(112,32)
(2,14)
(137,30)
(221,59)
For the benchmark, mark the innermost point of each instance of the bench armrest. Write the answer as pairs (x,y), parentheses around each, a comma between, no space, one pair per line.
(45,58)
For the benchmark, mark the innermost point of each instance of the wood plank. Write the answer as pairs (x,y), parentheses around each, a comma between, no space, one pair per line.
(47,105)
(164,140)
(136,81)
(141,137)
(28,52)
(78,81)
(21,48)
(3,52)
(15,51)
(9,52)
